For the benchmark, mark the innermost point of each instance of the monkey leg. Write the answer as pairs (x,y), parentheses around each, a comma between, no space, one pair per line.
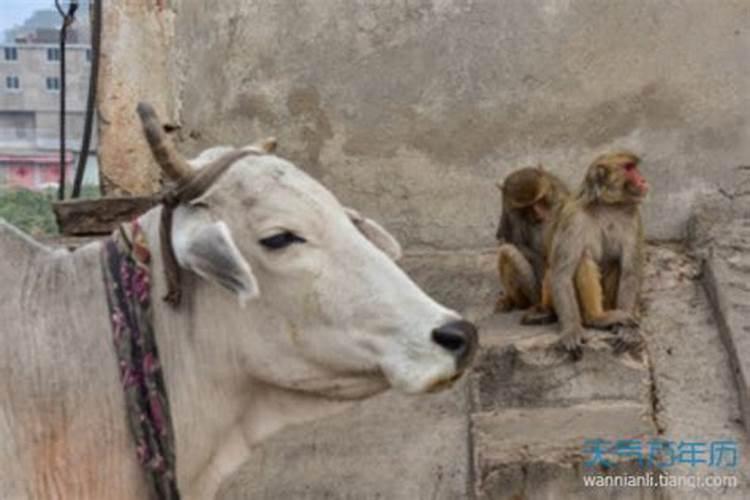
(591,297)
(542,313)
(517,278)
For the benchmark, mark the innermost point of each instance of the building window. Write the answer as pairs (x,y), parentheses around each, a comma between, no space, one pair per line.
(53,54)
(11,54)
(53,84)
(12,83)
(88,55)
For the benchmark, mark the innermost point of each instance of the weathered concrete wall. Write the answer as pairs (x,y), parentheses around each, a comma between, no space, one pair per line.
(134,67)
(410,109)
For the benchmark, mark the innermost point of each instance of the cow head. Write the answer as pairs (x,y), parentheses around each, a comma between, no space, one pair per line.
(304,293)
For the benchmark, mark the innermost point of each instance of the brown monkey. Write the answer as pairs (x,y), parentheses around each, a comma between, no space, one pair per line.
(530,196)
(596,253)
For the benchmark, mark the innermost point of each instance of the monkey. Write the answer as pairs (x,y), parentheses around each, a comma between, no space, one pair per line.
(595,254)
(530,196)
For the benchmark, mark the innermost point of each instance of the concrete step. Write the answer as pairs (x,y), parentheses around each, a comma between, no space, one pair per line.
(539,452)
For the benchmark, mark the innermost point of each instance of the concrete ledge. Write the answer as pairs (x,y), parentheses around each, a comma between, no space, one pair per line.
(726,280)
(538,453)
(528,374)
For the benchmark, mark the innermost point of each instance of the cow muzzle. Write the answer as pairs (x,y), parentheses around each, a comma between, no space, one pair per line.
(460,339)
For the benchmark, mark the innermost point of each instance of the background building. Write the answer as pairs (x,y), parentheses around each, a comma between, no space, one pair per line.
(30,107)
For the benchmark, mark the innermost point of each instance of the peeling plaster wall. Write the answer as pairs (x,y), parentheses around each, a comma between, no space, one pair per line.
(410,110)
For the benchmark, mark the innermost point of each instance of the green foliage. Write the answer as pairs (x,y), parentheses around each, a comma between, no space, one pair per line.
(30,211)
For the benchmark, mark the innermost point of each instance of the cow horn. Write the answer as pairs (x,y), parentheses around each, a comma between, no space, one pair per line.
(266,146)
(170,161)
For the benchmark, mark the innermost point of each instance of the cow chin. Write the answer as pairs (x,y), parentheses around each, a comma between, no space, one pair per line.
(414,378)
(349,387)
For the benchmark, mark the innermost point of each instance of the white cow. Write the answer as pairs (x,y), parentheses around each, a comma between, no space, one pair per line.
(327,317)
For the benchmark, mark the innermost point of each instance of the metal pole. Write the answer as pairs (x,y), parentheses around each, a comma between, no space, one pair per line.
(96,33)
(68,19)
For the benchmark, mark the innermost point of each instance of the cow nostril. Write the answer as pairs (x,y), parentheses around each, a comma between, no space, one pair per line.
(459,338)
(449,339)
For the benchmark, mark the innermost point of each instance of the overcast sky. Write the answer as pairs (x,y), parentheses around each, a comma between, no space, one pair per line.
(15,12)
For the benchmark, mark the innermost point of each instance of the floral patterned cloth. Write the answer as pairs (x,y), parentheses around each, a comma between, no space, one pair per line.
(125,260)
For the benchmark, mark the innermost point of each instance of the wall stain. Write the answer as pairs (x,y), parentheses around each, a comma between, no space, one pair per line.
(466,132)
(310,122)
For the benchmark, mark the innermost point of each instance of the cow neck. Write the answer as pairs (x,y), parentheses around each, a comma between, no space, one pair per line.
(126,262)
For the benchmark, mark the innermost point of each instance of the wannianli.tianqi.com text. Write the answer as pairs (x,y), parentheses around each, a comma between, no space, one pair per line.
(654,480)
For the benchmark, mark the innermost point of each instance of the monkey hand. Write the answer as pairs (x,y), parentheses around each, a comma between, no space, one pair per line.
(627,339)
(570,342)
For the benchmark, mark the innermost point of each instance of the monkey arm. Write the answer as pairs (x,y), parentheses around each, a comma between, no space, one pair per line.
(563,269)
(631,265)
(566,254)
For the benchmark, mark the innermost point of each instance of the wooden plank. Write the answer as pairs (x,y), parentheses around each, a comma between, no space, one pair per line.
(99,216)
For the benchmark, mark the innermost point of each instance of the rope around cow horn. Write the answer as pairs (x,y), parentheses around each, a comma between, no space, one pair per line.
(190,185)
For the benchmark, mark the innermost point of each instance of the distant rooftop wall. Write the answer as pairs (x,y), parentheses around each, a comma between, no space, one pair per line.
(411,110)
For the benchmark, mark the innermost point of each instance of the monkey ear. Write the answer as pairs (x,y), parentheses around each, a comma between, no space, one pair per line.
(602,171)
(540,167)
(596,178)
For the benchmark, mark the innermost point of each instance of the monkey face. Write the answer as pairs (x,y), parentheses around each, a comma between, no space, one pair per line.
(537,212)
(616,179)
(635,183)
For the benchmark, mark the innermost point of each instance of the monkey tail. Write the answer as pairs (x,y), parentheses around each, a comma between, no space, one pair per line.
(171,162)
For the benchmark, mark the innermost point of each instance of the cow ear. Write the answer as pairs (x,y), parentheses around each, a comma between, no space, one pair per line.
(208,249)
(376,234)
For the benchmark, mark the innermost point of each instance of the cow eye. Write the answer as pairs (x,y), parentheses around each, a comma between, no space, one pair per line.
(281,240)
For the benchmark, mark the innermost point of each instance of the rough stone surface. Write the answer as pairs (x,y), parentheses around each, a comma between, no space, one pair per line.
(727,281)
(410,110)
(695,396)
(537,453)
(528,374)
(720,238)
(534,409)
